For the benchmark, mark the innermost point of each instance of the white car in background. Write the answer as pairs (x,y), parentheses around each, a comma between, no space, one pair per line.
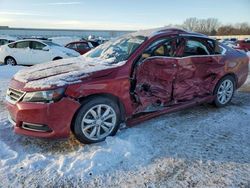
(31,52)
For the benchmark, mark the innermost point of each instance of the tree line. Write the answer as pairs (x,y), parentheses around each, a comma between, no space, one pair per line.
(212,27)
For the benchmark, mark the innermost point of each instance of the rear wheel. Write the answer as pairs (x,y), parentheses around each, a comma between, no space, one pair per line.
(224,91)
(97,119)
(10,61)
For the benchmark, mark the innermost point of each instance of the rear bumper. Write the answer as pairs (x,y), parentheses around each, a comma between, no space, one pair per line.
(43,120)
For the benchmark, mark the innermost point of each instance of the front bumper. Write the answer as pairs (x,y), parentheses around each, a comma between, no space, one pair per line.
(50,120)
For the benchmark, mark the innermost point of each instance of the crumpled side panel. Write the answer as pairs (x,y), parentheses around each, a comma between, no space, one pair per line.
(160,83)
(196,77)
(154,81)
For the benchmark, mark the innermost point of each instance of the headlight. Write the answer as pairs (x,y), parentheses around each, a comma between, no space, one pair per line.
(44,96)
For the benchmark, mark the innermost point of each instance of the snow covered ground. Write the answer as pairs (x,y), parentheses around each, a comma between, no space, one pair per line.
(199,147)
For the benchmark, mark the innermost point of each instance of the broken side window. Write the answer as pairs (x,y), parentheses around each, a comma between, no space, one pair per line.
(163,47)
(194,47)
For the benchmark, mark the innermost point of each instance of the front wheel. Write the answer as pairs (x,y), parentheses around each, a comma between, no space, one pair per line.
(97,119)
(224,91)
(10,61)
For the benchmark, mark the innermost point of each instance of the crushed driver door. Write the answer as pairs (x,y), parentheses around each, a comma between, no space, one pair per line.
(155,82)
(155,76)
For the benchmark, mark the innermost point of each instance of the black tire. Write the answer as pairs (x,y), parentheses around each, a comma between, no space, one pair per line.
(217,101)
(10,61)
(86,106)
(57,58)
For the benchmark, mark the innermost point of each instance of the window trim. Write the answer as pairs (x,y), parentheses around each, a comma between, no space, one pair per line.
(224,50)
(193,56)
(178,58)
(202,41)
(161,41)
(140,60)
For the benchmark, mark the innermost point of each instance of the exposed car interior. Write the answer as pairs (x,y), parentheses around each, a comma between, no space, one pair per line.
(193,47)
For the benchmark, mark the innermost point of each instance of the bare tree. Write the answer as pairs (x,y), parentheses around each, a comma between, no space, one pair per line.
(238,29)
(206,26)
(243,28)
(226,30)
(190,24)
(211,26)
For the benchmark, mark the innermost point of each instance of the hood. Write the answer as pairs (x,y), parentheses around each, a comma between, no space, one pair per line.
(62,72)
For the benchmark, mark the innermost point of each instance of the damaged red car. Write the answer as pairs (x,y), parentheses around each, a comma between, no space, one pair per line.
(129,79)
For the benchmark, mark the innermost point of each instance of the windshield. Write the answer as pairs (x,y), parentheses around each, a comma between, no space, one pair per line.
(118,49)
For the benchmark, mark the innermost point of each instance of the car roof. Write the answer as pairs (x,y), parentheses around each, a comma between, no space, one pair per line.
(35,40)
(167,30)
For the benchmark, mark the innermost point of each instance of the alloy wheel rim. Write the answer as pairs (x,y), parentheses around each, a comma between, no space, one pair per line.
(225,91)
(10,61)
(98,122)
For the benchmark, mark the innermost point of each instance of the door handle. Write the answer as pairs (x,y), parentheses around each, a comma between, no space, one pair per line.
(174,65)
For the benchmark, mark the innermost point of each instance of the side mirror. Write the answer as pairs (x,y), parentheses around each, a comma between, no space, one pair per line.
(46,48)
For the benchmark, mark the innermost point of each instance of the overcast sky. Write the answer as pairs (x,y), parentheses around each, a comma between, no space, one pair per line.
(117,14)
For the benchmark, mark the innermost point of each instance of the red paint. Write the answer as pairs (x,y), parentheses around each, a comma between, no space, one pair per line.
(243,45)
(80,46)
(162,85)
(57,116)
(174,108)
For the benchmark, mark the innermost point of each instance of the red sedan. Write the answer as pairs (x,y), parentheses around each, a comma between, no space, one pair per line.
(243,45)
(81,47)
(129,79)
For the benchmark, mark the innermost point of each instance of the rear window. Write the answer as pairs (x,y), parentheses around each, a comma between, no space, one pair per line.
(82,46)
